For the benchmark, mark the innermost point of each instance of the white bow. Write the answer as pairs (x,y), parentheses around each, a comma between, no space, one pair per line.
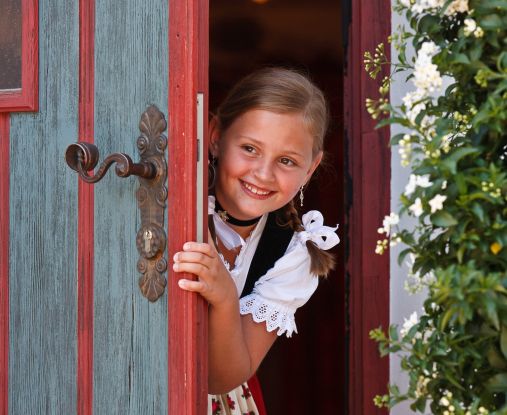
(229,237)
(315,230)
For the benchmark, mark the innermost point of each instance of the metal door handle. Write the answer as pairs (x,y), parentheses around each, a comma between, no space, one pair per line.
(151,194)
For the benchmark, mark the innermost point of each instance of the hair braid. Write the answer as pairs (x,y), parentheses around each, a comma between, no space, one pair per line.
(322,262)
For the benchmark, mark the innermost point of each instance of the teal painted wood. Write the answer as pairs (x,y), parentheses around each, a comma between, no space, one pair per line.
(43,221)
(130,335)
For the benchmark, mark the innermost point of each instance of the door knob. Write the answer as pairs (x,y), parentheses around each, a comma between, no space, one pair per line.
(151,195)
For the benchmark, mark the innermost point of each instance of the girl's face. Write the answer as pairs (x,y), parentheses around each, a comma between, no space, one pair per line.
(263,159)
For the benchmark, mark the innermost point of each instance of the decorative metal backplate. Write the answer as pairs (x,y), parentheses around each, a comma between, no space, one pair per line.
(151,199)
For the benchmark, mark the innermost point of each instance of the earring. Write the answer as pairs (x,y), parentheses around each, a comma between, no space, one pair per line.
(212,172)
(301,195)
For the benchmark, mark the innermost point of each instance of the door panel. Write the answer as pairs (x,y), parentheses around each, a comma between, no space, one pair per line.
(73,256)
(43,199)
(130,334)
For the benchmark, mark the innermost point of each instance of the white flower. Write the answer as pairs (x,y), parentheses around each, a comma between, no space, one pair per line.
(444,401)
(437,203)
(414,181)
(412,97)
(427,77)
(432,6)
(409,323)
(457,6)
(470,26)
(479,32)
(429,49)
(389,221)
(417,207)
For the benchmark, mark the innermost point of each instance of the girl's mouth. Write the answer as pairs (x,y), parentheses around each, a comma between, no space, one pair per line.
(255,191)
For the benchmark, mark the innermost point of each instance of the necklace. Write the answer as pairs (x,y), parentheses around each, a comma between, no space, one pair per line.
(226,217)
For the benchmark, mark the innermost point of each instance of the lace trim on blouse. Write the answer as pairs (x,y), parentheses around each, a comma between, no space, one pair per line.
(264,311)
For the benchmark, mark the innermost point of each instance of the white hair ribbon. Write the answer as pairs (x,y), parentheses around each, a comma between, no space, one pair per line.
(229,237)
(323,236)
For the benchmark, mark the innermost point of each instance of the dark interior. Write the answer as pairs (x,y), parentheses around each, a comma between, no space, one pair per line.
(305,374)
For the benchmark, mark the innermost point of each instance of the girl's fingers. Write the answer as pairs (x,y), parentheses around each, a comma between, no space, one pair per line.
(192,268)
(199,247)
(194,286)
(196,257)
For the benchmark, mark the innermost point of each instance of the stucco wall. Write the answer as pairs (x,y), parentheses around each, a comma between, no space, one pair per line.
(402,303)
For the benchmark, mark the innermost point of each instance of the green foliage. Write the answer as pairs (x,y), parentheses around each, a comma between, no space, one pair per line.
(455,144)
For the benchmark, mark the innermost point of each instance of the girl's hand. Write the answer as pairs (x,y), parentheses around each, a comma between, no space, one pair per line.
(214,281)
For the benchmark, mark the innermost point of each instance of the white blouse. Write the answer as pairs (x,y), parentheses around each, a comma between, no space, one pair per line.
(289,284)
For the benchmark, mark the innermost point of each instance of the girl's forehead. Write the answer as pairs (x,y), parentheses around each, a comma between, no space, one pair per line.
(287,131)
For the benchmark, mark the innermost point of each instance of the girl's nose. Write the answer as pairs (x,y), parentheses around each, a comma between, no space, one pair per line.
(264,171)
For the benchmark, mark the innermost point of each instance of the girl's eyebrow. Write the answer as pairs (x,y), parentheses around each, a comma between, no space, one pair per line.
(261,144)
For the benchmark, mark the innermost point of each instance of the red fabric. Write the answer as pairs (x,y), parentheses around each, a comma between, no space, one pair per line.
(255,389)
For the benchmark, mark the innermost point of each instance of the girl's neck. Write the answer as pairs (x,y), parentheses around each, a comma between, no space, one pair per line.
(241,226)
(243,231)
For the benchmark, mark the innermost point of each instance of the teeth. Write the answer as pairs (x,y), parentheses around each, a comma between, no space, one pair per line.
(255,190)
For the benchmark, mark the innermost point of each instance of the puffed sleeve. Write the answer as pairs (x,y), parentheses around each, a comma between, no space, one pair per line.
(282,290)
(289,284)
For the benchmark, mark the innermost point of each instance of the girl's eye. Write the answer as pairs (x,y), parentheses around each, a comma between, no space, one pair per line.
(248,149)
(287,161)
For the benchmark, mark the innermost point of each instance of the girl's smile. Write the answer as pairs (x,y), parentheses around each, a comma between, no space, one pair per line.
(263,159)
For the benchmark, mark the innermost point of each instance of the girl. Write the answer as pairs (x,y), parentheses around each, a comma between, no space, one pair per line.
(265,142)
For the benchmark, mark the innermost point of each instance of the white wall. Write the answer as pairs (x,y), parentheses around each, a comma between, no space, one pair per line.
(402,304)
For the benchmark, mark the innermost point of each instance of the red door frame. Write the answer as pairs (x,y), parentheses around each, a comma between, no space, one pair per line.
(368,200)
(26,98)
(187,312)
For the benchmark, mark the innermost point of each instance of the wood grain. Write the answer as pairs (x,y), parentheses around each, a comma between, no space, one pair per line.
(43,228)
(368,200)
(85,254)
(4,263)
(187,311)
(130,334)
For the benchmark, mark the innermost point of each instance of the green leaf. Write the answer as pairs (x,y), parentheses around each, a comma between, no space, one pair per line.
(478,211)
(503,341)
(393,332)
(495,359)
(451,162)
(403,255)
(445,318)
(443,219)
(497,383)
(460,58)
(491,22)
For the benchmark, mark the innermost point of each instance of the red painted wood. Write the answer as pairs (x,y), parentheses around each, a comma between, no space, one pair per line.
(85,213)
(187,355)
(256,390)
(368,201)
(26,99)
(4,263)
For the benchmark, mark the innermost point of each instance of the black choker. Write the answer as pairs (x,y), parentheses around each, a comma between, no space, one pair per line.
(226,217)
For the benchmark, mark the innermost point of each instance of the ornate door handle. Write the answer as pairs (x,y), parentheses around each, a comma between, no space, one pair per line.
(151,194)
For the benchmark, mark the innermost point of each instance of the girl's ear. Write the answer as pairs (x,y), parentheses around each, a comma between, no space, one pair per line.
(214,136)
(315,163)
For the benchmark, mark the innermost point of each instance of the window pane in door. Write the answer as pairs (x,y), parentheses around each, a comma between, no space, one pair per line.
(10,44)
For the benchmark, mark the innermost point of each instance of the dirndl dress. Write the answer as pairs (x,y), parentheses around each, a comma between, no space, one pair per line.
(239,401)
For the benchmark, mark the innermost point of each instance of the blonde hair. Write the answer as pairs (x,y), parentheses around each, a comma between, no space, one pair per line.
(283,91)
(278,90)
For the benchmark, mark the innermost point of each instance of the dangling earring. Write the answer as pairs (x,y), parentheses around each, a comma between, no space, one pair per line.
(212,172)
(301,195)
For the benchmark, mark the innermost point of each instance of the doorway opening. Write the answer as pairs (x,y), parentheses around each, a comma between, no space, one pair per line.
(307,373)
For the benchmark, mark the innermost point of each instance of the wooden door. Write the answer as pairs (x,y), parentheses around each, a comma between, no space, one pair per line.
(76,334)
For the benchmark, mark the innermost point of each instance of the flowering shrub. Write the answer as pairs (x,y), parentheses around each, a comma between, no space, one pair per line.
(455,144)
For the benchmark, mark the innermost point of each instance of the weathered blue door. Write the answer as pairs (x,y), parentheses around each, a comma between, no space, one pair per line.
(77,335)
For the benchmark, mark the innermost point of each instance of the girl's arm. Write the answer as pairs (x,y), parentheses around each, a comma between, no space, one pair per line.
(236,344)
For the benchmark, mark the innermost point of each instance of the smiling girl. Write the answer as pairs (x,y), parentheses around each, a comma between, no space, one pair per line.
(266,141)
